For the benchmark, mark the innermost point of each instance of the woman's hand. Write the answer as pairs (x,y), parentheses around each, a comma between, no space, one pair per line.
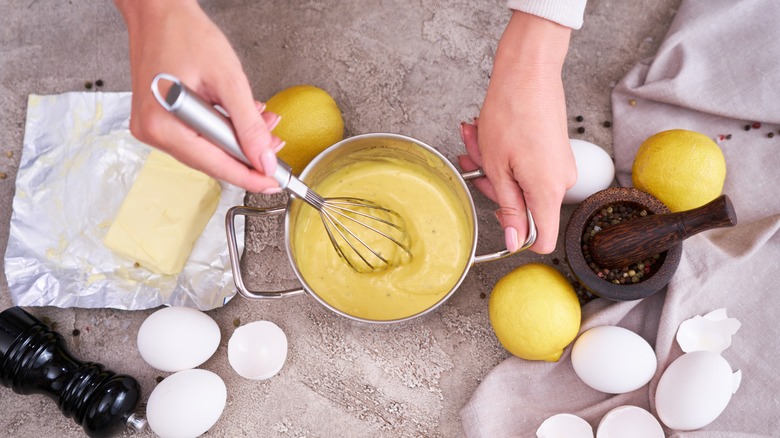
(177,37)
(521,137)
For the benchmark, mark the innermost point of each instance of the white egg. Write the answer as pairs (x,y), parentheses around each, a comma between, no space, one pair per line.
(257,350)
(186,404)
(595,171)
(564,426)
(613,360)
(694,390)
(177,338)
(629,421)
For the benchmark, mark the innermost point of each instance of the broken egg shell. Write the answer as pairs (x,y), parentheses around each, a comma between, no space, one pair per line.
(613,360)
(257,350)
(711,332)
(186,404)
(564,426)
(177,338)
(629,421)
(694,390)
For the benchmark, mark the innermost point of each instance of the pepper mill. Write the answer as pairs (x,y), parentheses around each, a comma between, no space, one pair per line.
(637,239)
(35,360)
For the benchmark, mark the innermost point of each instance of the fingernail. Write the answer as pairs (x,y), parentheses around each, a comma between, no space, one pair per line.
(512,242)
(268,160)
(275,122)
(261,107)
(280,146)
(272,191)
(462,133)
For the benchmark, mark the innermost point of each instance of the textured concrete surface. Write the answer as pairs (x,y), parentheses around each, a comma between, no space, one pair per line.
(417,68)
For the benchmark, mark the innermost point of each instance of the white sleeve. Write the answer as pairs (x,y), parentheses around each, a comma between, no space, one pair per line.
(568,13)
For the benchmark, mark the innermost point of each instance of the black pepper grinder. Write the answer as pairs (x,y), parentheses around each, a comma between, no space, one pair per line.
(35,360)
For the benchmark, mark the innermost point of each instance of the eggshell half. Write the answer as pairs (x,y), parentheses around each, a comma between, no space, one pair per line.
(694,390)
(177,338)
(629,421)
(613,359)
(257,350)
(564,426)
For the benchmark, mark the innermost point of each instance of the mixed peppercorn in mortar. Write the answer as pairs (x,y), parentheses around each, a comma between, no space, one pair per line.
(610,215)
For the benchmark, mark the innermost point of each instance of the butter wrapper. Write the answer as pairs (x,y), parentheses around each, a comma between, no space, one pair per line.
(78,163)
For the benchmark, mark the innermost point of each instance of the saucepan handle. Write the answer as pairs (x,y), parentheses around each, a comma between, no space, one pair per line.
(479,173)
(235,257)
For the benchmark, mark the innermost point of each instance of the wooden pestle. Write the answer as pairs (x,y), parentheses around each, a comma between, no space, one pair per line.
(638,239)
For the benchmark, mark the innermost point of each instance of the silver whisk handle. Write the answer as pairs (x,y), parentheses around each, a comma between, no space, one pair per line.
(214,125)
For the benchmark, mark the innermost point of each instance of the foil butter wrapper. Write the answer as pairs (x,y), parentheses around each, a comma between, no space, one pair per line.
(78,163)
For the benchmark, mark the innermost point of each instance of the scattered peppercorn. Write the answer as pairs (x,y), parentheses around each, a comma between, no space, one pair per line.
(159,379)
(756,125)
(581,130)
(556,261)
(747,127)
(579,118)
(482,295)
(728,136)
(76,332)
(99,82)
(136,265)
(236,322)
(632,102)
(3,175)
(771,134)
(88,85)
(9,154)
(607,124)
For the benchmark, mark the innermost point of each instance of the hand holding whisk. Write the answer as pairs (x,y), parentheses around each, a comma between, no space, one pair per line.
(367,236)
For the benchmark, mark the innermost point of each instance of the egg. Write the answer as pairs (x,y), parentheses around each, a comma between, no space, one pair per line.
(595,171)
(613,359)
(177,338)
(694,390)
(564,426)
(186,404)
(257,350)
(629,421)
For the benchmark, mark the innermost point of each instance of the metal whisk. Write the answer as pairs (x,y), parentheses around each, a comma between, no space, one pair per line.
(367,236)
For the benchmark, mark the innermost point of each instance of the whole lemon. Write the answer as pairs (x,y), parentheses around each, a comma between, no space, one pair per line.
(534,312)
(683,169)
(311,121)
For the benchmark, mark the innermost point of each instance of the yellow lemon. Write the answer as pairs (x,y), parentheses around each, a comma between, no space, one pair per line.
(311,121)
(534,312)
(683,169)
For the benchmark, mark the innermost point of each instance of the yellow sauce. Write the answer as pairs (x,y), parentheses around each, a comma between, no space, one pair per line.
(438,226)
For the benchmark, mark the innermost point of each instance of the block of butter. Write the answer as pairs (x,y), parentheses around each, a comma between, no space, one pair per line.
(163,215)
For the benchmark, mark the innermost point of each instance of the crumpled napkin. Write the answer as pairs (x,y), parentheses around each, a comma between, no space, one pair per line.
(716,71)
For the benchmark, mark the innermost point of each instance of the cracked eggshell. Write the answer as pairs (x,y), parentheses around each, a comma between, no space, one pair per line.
(711,332)
(564,426)
(177,338)
(257,350)
(694,390)
(595,171)
(613,359)
(629,421)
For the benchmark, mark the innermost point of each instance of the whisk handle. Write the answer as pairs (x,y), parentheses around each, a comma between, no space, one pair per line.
(210,122)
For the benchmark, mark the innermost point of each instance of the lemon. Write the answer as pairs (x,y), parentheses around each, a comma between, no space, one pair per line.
(311,121)
(683,169)
(534,312)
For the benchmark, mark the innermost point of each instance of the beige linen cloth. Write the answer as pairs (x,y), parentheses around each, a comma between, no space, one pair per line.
(717,70)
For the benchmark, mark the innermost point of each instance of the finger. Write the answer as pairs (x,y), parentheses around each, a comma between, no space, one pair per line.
(482,184)
(257,142)
(546,210)
(468,133)
(511,213)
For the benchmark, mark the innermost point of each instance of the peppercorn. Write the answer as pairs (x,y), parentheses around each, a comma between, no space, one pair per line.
(581,130)
(76,332)
(579,118)
(632,102)
(159,379)
(747,127)
(88,85)
(99,82)
(607,124)
(771,134)
(236,322)
(756,125)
